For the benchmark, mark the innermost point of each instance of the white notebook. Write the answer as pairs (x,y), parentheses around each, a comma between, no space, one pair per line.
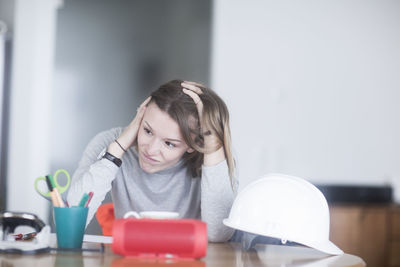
(97,239)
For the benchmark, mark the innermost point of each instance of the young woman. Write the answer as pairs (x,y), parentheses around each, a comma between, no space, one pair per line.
(175,155)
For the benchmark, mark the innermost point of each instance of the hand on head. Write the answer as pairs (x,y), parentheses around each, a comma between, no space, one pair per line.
(211,141)
(193,90)
(129,135)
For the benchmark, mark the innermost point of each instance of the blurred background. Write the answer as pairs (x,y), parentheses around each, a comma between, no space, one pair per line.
(313,88)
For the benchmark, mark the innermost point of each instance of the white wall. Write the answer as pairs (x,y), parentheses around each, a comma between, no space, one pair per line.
(31,86)
(313,88)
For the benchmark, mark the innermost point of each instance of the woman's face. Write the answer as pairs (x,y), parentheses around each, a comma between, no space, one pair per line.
(160,143)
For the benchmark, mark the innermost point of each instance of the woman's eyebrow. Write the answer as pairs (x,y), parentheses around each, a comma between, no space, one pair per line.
(148,125)
(169,139)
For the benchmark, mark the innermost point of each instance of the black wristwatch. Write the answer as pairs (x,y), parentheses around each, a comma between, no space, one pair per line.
(113,159)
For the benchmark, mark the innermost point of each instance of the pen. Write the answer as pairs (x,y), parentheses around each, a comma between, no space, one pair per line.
(52,193)
(84,199)
(90,198)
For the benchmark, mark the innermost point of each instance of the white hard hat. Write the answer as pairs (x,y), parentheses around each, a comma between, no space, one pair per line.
(284,207)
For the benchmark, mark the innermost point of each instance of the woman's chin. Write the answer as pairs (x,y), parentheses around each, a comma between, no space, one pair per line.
(146,167)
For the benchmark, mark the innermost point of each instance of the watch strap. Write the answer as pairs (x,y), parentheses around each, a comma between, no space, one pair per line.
(112,158)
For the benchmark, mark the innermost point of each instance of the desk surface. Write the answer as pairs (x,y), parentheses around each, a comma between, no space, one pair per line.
(223,254)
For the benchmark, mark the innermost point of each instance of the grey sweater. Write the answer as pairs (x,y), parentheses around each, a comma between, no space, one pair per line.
(208,198)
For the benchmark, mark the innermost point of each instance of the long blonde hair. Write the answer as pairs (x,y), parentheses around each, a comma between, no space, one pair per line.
(170,98)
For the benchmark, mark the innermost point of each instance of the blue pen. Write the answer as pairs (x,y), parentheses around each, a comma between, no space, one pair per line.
(84,199)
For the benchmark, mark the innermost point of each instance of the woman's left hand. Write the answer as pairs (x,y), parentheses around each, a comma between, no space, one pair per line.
(212,156)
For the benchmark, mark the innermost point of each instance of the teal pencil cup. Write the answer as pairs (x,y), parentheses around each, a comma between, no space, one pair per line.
(70,226)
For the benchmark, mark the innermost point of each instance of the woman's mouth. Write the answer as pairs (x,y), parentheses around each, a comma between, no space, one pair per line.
(149,158)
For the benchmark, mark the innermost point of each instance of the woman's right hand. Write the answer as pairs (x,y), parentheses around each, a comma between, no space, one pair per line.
(129,135)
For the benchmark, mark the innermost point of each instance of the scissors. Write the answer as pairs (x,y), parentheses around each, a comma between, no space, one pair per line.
(61,188)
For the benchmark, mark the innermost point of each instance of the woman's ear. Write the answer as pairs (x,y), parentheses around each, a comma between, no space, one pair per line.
(190,150)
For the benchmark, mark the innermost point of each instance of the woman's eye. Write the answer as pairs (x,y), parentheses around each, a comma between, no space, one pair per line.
(147,130)
(169,144)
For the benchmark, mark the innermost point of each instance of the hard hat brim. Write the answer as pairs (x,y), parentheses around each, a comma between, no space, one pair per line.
(326,247)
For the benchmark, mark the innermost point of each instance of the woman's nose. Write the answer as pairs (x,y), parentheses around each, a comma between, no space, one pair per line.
(153,147)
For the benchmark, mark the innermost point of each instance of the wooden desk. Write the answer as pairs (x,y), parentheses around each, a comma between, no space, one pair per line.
(369,231)
(218,255)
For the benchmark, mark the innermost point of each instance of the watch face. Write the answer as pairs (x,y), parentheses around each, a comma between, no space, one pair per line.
(102,153)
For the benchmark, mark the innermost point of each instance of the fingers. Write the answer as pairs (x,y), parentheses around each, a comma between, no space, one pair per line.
(193,95)
(196,100)
(144,104)
(195,87)
(146,101)
(129,135)
(140,113)
(211,141)
(141,109)
(191,89)
(194,83)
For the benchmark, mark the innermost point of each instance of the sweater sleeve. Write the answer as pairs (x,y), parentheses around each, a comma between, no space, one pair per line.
(93,174)
(217,197)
